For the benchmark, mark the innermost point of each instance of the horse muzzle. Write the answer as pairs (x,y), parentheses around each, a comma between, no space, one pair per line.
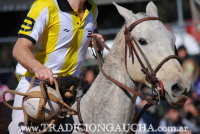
(177,95)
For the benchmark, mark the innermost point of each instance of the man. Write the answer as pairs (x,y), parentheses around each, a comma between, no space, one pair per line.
(53,41)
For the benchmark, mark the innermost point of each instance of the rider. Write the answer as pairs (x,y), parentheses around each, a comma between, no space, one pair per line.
(53,41)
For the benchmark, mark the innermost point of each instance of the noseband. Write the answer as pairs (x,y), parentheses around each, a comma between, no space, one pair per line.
(150,73)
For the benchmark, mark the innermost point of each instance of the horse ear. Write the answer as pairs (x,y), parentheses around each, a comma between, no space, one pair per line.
(127,14)
(151,9)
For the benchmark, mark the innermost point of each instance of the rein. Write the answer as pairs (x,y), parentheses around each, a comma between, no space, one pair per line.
(121,85)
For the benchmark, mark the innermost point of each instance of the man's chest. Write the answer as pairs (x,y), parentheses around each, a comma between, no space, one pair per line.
(71,25)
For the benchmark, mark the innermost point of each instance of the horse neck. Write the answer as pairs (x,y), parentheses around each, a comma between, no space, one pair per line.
(105,102)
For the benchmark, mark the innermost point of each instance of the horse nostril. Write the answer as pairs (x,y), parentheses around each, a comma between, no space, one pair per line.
(177,89)
(188,91)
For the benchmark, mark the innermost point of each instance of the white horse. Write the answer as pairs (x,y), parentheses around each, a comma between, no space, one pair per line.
(105,102)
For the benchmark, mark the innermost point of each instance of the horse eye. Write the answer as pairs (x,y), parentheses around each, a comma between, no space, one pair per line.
(142,41)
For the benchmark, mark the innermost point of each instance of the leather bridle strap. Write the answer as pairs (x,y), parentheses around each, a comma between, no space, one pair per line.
(164,61)
(130,42)
(102,44)
(121,85)
(138,22)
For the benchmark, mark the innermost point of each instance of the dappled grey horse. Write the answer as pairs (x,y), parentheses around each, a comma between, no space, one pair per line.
(105,102)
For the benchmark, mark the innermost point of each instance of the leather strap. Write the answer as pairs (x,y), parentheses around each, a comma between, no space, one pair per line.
(103,44)
(12,92)
(164,61)
(138,22)
(42,101)
(121,85)
(80,116)
(138,116)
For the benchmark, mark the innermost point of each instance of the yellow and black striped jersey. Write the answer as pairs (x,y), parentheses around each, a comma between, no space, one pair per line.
(60,36)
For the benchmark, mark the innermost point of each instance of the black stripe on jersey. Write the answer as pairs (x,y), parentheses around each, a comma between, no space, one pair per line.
(26,30)
(31,19)
(27,37)
(28,25)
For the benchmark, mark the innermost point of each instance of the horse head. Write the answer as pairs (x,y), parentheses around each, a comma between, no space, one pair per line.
(157,43)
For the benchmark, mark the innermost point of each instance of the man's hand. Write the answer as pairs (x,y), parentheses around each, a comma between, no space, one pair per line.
(99,36)
(43,73)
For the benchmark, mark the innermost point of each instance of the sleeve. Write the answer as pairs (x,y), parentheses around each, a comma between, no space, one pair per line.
(35,22)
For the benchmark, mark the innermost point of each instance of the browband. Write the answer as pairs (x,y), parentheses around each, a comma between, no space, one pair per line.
(128,29)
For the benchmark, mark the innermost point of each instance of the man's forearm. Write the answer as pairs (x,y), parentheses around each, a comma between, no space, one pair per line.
(22,53)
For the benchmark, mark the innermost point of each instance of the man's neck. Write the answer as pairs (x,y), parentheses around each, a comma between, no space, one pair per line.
(78,5)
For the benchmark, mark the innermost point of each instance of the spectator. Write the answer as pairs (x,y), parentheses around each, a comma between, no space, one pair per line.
(172,119)
(89,76)
(191,69)
(191,112)
(8,96)
(182,53)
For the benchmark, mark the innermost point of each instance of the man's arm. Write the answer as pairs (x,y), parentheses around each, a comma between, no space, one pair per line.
(22,53)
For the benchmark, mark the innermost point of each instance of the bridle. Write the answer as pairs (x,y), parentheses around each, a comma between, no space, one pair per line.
(150,73)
